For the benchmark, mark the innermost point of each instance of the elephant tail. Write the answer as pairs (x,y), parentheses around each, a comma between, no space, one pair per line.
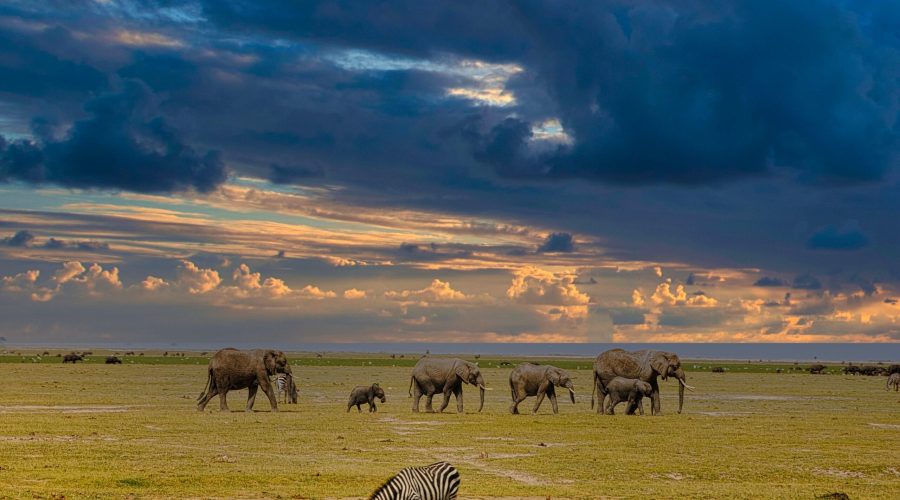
(209,384)
(412,380)
(512,390)
(594,391)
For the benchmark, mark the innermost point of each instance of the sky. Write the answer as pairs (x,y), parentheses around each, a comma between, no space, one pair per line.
(560,171)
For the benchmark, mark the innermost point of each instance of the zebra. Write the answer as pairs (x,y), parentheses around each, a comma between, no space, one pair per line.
(284,383)
(438,481)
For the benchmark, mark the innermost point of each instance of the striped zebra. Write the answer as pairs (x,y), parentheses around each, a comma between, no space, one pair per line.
(285,386)
(438,481)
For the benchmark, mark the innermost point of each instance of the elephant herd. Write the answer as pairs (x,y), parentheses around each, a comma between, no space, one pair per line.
(621,375)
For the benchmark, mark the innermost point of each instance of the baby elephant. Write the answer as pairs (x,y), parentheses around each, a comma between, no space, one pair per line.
(362,394)
(894,381)
(631,390)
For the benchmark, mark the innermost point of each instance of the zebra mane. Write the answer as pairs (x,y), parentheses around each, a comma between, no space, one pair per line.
(381,488)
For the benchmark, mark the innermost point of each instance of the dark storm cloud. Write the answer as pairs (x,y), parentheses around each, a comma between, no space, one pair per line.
(557,242)
(769,281)
(119,145)
(58,244)
(806,282)
(682,93)
(20,239)
(846,237)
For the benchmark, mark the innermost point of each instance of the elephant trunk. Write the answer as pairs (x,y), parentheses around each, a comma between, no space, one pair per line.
(682,385)
(571,389)
(480,383)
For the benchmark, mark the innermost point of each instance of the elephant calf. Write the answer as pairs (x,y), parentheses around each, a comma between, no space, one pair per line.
(631,390)
(362,394)
(529,379)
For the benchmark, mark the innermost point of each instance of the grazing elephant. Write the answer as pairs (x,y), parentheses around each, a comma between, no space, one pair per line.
(233,369)
(362,394)
(529,379)
(894,381)
(644,365)
(433,375)
(631,390)
(72,358)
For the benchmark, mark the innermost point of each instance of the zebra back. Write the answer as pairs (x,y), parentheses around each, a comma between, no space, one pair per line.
(280,381)
(438,481)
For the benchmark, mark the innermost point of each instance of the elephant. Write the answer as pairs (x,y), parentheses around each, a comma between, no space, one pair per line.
(366,394)
(631,390)
(644,365)
(446,375)
(894,381)
(230,369)
(72,358)
(530,379)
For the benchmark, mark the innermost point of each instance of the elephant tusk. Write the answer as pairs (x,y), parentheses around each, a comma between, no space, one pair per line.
(686,386)
(483,388)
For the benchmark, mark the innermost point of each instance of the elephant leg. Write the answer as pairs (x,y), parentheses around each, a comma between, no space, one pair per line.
(446,400)
(267,388)
(537,403)
(459,399)
(349,405)
(655,403)
(358,408)
(417,395)
(515,406)
(223,400)
(640,406)
(372,408)
(611,409)
(251,396)
(428,400)
(206,398)
(553,403)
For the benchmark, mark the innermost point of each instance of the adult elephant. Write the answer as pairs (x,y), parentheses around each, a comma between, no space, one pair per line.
(643,365)
(443,375)
(529,379)
(233,369)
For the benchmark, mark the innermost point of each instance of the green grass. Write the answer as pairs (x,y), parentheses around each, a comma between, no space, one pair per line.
(92,430)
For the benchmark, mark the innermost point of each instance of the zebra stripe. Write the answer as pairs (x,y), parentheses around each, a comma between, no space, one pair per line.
(438,481)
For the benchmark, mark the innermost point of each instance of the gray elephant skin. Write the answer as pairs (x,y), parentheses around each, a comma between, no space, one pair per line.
(362,394)
(431,376)
(643,365)
(631,390)
(529,379)
(231,369)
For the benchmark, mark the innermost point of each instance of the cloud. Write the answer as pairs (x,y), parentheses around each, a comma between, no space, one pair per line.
(196,280)
(354,294)
(664,295)
(806,282)
(846,237)
(154,284)
(20,239)
(767,281)
(557,242)
(532,285)
(21,281)
(437,291)
(119,145)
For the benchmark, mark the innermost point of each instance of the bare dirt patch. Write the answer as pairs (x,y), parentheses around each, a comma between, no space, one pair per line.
(838,473)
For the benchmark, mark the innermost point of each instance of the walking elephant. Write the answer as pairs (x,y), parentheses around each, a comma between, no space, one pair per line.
(362,394)
(643,365)
(630,390)
(530,379)
(445,375)
(233,369)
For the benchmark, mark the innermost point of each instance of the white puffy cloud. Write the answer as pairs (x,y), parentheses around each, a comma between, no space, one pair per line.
(532,285)
(664,295)
(354,294)
(153,284)
(22,281)
(437,291)
(196,280)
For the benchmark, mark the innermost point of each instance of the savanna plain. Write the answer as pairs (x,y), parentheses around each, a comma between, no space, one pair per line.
(93,430)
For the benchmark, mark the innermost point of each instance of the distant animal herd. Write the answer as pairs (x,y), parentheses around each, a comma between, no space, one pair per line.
(618,375)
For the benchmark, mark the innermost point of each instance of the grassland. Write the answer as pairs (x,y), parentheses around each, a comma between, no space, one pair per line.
(94,430)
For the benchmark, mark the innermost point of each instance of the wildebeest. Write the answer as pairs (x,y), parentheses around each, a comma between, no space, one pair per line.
(718,369)
(113,360)
(72,358)
(817,369)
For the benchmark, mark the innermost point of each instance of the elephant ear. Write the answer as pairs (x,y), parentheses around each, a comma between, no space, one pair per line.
(660,363)
(554,376)
(269,361)
(462,370)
